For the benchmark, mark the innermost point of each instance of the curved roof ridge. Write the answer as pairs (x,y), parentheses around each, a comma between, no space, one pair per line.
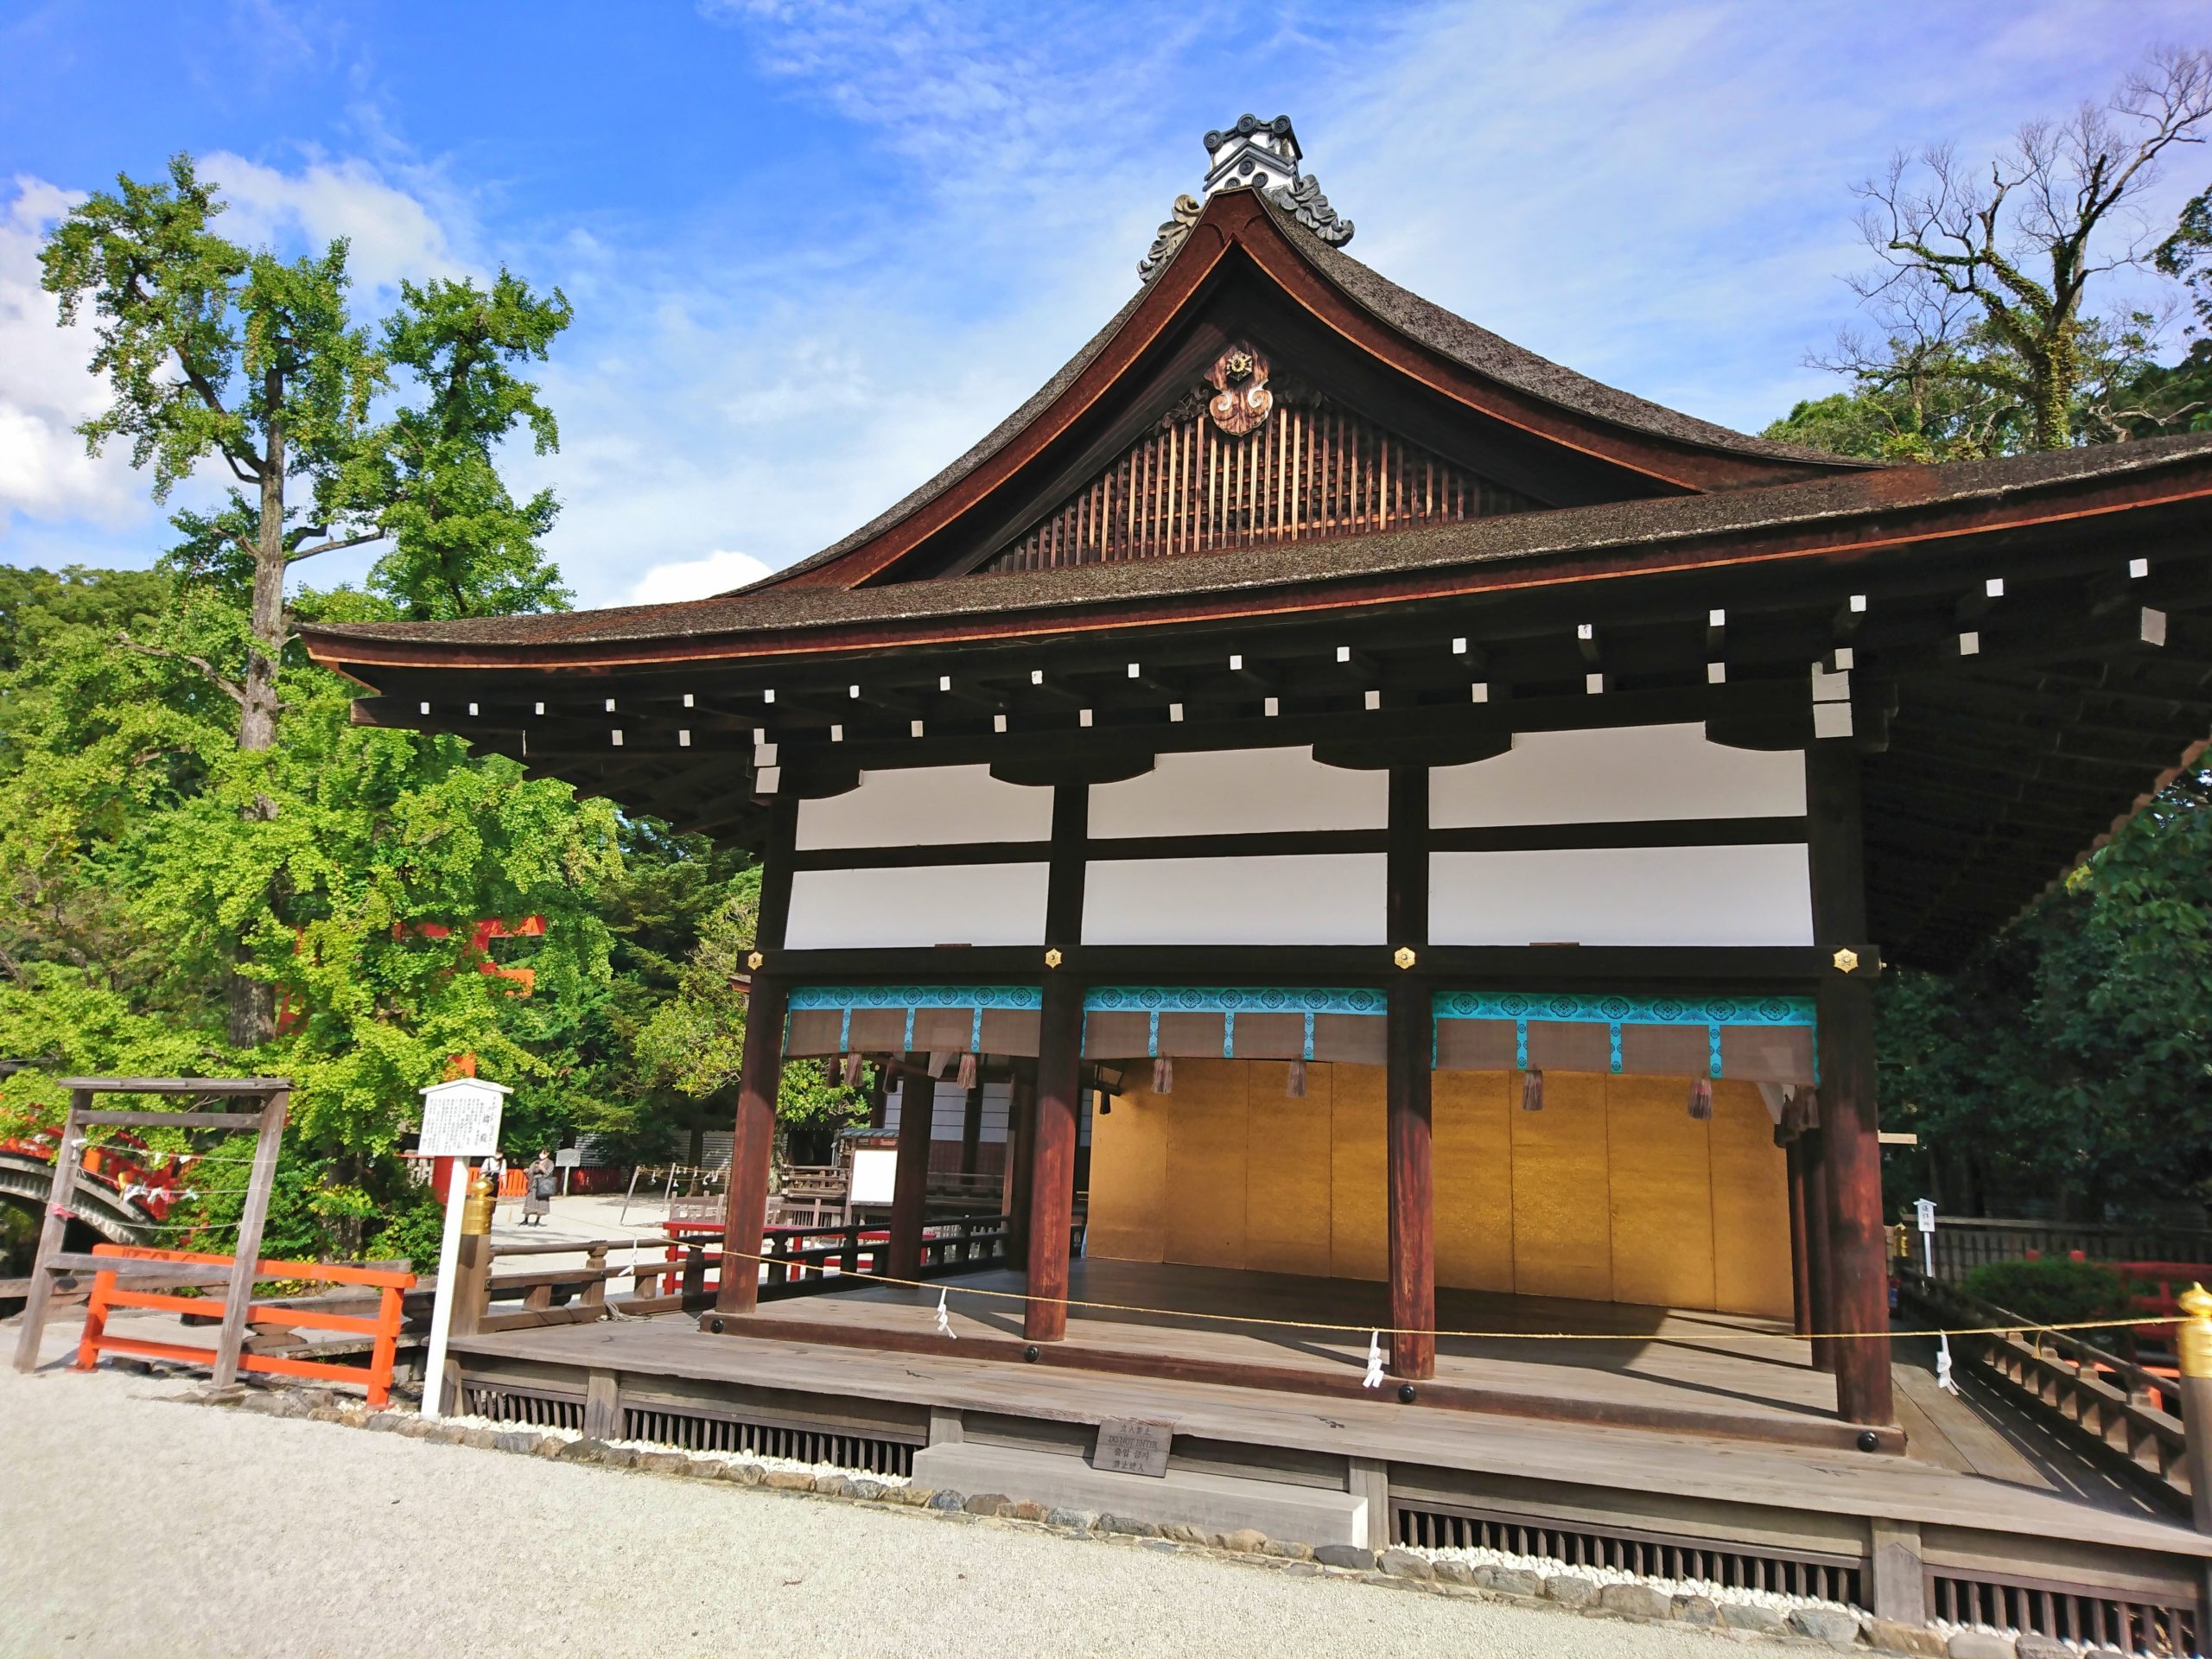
(1492,355)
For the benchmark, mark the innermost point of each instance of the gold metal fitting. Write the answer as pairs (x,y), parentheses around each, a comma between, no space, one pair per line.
(2193,1336)
(1404,956)
(476,1209)
(1847,960)
(1052,958)
(754,960)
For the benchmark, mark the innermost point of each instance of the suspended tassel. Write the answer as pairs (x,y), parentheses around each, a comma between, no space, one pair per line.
(1163,1076)
(1532,1091)
(1296,1087)
(1374,1377)
(853,1069)
(967,1075)
(944,1319)
(1701,1099)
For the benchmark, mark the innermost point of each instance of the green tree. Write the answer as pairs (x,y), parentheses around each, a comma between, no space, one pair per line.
(2070,1060)
(217,354)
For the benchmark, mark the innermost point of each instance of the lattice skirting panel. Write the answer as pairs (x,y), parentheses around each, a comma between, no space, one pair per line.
(528,1407)
(697,1432)
(2089,1617)
(1659,1556)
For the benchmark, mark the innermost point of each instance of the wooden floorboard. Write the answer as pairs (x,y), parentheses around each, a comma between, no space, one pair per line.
(1649,1358)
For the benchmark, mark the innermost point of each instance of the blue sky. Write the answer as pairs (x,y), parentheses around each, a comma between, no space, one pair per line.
(816,251)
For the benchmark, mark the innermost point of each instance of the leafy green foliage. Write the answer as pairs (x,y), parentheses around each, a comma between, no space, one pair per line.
(2050,1292)
(2070,1061)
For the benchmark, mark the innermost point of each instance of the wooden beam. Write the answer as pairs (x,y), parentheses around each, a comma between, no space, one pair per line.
(52,1231)
(253,1215)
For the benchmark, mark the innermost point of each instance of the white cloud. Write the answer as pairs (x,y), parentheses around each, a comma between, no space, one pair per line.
(45,389)
(719,571)
(394,232)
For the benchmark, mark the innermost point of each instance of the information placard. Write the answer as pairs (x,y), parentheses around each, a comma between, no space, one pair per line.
(1129,1446)
(461,1119)
(569,1158)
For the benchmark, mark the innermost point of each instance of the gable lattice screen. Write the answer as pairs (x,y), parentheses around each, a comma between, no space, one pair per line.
(1313,470)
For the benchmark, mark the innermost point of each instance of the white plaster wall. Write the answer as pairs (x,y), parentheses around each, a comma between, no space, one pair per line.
(1240,791)
(1318,900)
(1646,895)
(952,904)
(926,806)
(1618,776)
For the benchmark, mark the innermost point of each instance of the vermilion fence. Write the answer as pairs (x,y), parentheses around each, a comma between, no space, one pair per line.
(382,1330)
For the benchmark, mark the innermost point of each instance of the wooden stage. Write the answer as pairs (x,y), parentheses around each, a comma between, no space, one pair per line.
(1597,1440)
(1653,1366)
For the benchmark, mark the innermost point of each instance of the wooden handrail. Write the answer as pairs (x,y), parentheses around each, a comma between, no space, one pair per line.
(2060,1377)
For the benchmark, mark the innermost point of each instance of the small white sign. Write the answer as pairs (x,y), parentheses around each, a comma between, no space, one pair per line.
(460,1118)
(569,1158)
(1925,1209)
(875,1174)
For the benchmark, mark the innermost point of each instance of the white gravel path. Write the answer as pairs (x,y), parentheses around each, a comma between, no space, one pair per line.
(132,1523)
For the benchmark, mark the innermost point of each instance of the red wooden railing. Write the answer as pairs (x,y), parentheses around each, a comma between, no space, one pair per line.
(382,1330)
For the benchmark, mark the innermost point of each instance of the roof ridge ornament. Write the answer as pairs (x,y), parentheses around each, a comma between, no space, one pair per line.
(1258,155)
(1303,202)
(1172,236)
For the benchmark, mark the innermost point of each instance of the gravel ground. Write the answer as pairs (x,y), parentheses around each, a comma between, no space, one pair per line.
(132,1523)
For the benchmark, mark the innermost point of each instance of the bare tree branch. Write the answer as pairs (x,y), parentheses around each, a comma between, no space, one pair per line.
(333,545)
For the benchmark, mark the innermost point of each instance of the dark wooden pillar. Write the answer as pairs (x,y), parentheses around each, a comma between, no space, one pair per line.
(1819,1278)
(1052,1159)
(761,1071)
(910,1189)
(1406,1085)
(1851,1151)
(1055,1116)
(1800,1281)
(1020,1135)
(971,1126)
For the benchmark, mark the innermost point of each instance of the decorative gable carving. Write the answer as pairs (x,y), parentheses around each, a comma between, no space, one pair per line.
(1221,470)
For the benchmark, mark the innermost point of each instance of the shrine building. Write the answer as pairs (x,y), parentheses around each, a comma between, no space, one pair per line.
(1425,827)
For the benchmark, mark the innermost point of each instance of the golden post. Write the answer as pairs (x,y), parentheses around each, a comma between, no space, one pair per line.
(2193,1343)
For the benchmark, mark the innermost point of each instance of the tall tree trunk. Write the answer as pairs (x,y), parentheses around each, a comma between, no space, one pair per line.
(2054,368)
(253,1002)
